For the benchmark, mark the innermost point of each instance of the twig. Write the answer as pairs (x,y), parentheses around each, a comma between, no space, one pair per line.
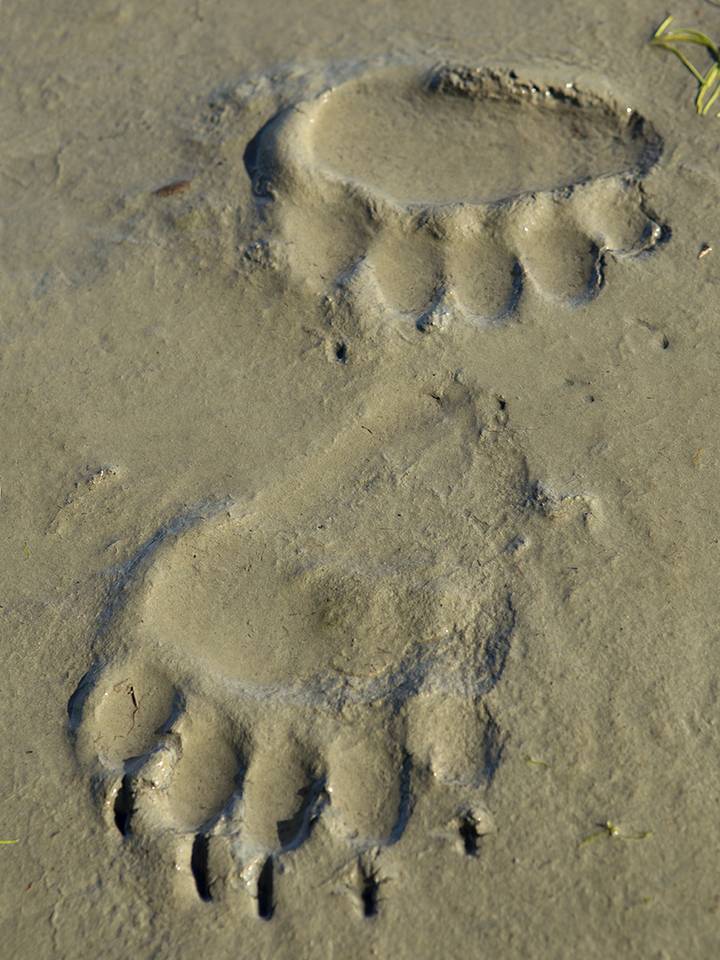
(610,829)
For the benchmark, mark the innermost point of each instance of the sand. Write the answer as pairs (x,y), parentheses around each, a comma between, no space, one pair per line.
(358,482)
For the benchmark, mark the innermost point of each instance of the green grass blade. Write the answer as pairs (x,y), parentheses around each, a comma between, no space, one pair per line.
(706,86)
(689,36)
(684,60)
(716,92)
(709,82)
(663,27)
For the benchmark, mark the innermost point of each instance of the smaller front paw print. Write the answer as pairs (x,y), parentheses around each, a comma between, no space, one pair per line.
(454,193)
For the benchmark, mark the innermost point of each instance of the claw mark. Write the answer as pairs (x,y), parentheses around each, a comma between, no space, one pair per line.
(370,890)
(199,865)
(296,830)
(124,806)
(405,806)
(266,890)
(469,834)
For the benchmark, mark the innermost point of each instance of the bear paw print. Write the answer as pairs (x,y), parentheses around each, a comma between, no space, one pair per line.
(448,195)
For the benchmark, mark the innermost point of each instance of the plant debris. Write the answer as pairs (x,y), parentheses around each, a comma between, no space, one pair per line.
(708,82)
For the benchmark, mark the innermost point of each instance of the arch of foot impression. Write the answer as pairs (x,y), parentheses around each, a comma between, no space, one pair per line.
(437,195)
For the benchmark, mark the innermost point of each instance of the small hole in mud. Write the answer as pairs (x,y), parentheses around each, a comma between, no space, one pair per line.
(341,351)
(124,806)
(369,893)
(266,890)
(665,343)
(502,403)
(469,835)
(199,865)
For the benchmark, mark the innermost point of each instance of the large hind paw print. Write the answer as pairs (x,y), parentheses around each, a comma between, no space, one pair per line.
(283,697)
(267,683)
(448,195)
